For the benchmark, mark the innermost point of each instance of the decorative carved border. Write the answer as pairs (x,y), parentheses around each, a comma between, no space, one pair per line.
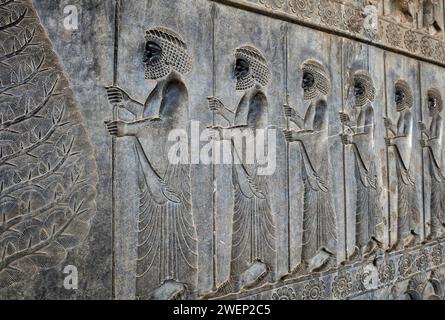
(351,280)
(347,20)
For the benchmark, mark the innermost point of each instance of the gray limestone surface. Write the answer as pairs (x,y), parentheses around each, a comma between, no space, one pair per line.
(221,149)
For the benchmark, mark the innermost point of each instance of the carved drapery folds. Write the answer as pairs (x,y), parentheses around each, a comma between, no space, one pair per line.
(167,246)
(399,138)
(431,141)
(318,248)
(359,137)
(253,251)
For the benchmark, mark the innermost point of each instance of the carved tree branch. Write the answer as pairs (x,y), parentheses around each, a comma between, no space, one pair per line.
(17,51)
(33,249)
(14,23)
(25,80)
(56,203)
(30,182)
(4,4)
(29,114)
(56,124)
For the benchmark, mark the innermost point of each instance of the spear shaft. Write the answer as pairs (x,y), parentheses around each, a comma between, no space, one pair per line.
(113,143)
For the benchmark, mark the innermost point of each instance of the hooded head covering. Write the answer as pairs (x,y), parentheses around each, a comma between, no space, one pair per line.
(435,94)
(259,72)
(322,84)
(175,55)
(409,100)
(367,83)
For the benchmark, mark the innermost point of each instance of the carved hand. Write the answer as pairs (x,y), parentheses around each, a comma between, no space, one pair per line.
(215,132)
(117,128)
(422,126)
(346,139)
(215,104)
(424,143)
(344,117)
(389,142)
(289,112)
(117,96)
(387,122)
(290,135)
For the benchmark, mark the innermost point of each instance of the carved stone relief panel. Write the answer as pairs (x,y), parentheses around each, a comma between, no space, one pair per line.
(47,170)
(164,210)
(403,11)
(250,209)
(431,17)
(341,197)
(396,25)
(402,116)
(317,236)
(87,58)
(363,107)
(431,139)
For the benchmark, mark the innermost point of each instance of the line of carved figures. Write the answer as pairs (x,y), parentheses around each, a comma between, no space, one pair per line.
(167,237)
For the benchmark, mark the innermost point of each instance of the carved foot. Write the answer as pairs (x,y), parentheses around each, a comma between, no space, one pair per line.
(254,275)
(322,261)
(224,289)
(356,255)
(300,270)
(397,246)
(411,240)
(170,290)
(372,248)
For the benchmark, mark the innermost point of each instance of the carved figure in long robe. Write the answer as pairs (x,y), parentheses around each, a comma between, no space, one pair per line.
(167,248)
(432,139)
(400,139)
(253,234)
(319,245)
(360,137)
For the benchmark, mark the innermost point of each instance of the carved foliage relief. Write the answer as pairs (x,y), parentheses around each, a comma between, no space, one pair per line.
(47,173)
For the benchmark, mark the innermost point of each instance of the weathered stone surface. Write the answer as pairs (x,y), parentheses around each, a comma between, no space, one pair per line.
(347,94)
(48,169)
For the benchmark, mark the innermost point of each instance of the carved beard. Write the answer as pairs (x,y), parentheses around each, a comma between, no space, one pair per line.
(245,83)
(400,106)
(156,71)
(360,100)
(310,93)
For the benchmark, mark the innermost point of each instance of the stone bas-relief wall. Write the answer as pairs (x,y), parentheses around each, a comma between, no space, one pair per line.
(354,208)
(47,165)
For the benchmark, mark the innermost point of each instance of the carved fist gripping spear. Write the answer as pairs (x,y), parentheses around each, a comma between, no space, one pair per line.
(319,222)
(359,135)
(167,250)
(253,238)
(399,137)
(432,142)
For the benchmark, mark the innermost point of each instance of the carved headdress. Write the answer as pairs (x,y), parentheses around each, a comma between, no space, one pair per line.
(409,100)
(368,85)
(435,94)
(174,54)
(259,71)
(322,83)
